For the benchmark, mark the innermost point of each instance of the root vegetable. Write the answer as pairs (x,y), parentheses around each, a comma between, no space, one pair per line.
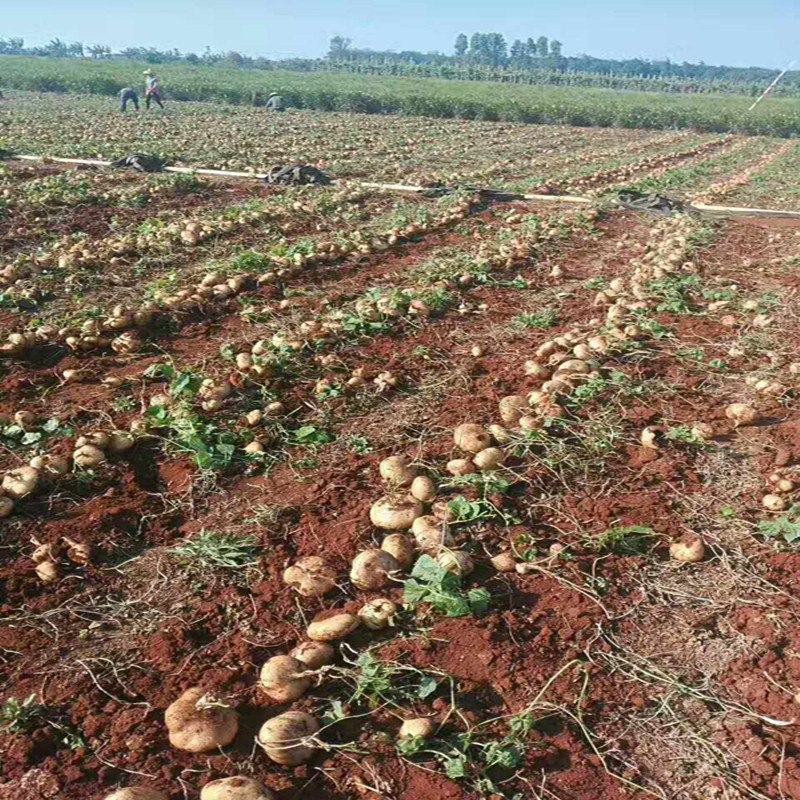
(51,466)
(421,727)
(704,431)
(537,370)
(20,482)
(285,738)
(136,793)
(423,489)
(649,437)
(784,485)
(6,506)
(281,679)
(25,419)
(598,343)
(88,456)
(456,561)
(333,627)
(96,439)
(400,546)
(461,466)
(311,576)
(48,571)
(120,442)
(395,514)
(373,569)
(78,552)
(504,562)
(430,535)
(314,654)
(378,613)
(471,438)
(690,549)
(573,365)
(395,471)
(500,434)
(198,723)
(741,414)
(489,459)
(511,409)
(238,787)
(773,502)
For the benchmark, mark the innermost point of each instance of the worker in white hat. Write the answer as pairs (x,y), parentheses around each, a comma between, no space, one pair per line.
(152,89)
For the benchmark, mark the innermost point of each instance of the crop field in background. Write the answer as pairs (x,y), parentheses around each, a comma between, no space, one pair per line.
(415,97)
(594,590)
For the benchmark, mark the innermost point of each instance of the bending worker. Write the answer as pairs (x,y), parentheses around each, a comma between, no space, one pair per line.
(128,95)
(275,102)
(152,89)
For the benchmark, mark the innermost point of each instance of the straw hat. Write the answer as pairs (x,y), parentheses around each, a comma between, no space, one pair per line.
(147,72)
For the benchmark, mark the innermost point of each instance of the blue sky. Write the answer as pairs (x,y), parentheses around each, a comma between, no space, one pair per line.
(734,32)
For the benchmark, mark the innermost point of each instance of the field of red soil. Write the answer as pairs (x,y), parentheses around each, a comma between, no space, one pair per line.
(581,654)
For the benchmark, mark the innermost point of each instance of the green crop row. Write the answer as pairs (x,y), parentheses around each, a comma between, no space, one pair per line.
(414,97)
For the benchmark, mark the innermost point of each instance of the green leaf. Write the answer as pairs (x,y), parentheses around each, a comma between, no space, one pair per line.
(427,569)
(13,431)
(414,592)
(478,600)
(427,687)
(456,767)
(410,745)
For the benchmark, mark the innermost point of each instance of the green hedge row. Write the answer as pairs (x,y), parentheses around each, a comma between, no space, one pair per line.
(418,97)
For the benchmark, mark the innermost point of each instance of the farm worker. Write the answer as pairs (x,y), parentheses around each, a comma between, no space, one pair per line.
(275,102)
(152,89)
(128,95)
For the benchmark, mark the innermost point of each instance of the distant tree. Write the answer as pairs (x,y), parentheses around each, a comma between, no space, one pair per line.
(517,50)
(555,48)
(234,58)
(192,58)
(530,47)
(477,49)
(55,47)
(339,48)
(75,49)
(542,47)
(497,49)
(462,43)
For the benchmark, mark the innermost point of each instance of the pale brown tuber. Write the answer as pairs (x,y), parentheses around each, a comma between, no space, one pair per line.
(282,678)
(373,569)
(378,613)
(333,627)
(421,727)
(285,738)
(394,513)
(314,654)
(471,438)
(689,549)
(311,576)
(237,787)
(198,723)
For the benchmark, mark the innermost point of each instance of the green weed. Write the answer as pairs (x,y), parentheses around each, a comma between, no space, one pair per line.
(432,584)
(220,550)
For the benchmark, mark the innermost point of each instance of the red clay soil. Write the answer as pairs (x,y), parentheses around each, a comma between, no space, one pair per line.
(111,644)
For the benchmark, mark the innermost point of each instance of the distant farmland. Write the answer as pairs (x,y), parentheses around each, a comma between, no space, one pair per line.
(416,97)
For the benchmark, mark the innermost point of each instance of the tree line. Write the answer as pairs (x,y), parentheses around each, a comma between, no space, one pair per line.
(487,55)
(492,49)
